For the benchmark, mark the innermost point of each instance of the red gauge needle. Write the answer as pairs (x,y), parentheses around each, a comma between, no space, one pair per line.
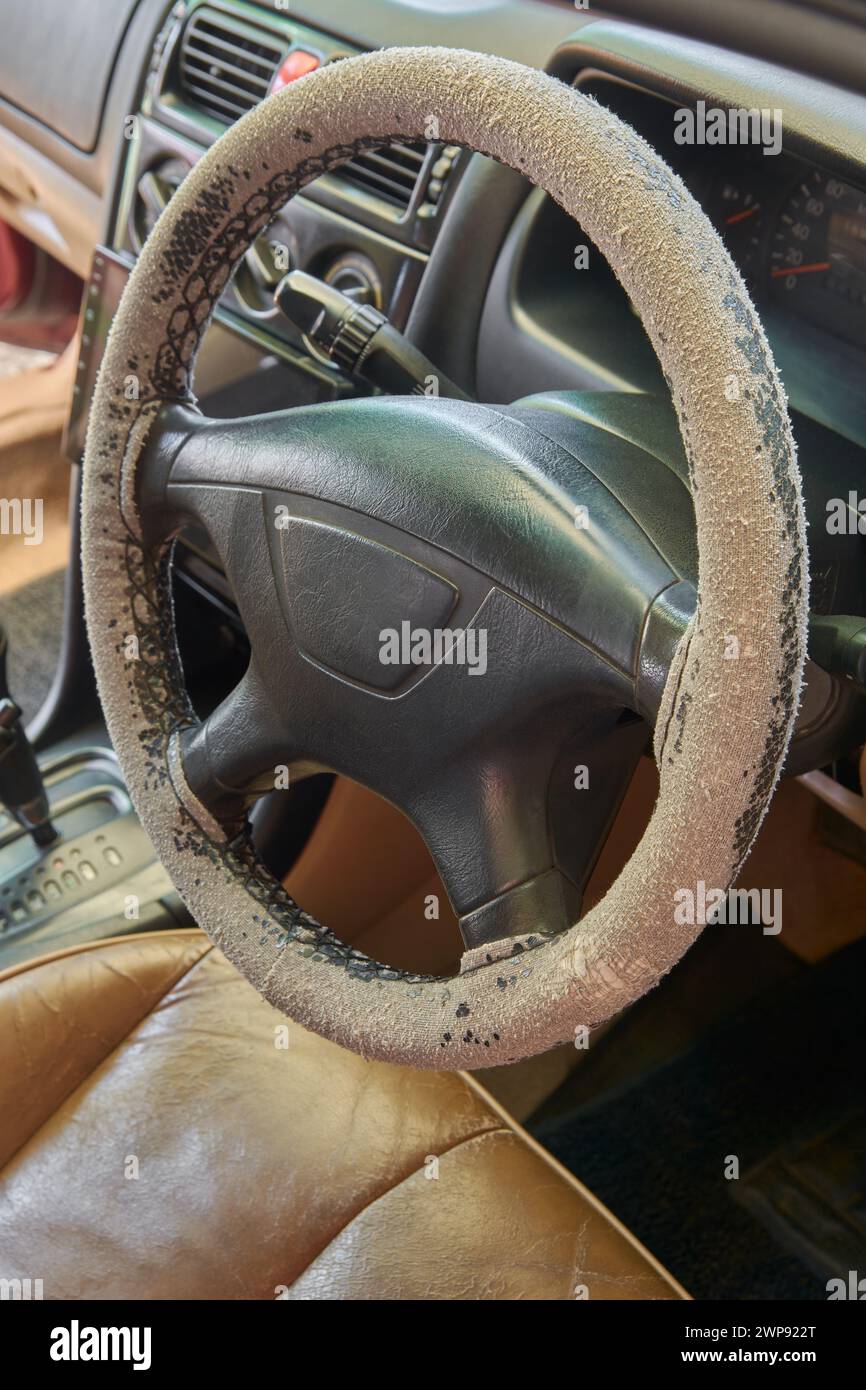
(800,269)
(740,216)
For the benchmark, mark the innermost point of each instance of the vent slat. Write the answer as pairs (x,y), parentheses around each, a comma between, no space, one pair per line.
(226,68)
(208,99)
(265,57)
(204,67)
(391,172)
(412,154)
(367,178)
(385,165)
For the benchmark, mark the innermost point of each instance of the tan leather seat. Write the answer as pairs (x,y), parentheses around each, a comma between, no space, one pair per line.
(159,1140)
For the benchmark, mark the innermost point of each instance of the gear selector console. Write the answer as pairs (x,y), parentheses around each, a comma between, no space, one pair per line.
(97,877)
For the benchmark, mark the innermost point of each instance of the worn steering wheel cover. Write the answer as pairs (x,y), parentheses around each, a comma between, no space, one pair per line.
(725,724)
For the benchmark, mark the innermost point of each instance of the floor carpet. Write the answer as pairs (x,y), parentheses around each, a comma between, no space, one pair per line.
(775,1092)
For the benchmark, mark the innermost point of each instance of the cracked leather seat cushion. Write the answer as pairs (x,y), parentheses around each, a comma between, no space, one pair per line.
(166,1133)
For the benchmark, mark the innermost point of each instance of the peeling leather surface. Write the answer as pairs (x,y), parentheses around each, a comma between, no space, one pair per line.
(494,1224)
(51,1041)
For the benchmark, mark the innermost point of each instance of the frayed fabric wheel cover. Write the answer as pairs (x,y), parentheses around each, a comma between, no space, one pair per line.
(725,724)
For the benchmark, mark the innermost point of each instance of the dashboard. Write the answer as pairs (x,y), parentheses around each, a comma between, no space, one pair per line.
(795,224)
(171,79)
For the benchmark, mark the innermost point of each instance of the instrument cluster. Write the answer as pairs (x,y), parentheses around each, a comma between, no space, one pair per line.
(798,235)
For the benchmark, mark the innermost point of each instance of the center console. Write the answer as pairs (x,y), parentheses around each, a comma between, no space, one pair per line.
(98,878)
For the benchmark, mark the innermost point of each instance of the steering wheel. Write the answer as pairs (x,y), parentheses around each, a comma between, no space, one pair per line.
(339,522)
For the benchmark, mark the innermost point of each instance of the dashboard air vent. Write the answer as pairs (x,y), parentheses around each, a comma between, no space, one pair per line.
(390,172)
(225,66)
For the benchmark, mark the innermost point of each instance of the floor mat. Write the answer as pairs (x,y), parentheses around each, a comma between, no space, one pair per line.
(32,617)
(778,1087)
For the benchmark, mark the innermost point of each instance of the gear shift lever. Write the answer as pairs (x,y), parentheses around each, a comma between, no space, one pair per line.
(22,790)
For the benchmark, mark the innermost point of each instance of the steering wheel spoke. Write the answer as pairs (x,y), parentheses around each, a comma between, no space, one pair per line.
(238,753)
(516,829)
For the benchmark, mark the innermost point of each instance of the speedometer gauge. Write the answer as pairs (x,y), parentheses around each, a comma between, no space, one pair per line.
(737,211)
(818,255)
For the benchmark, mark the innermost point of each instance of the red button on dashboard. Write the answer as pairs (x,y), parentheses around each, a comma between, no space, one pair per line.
(298,64)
